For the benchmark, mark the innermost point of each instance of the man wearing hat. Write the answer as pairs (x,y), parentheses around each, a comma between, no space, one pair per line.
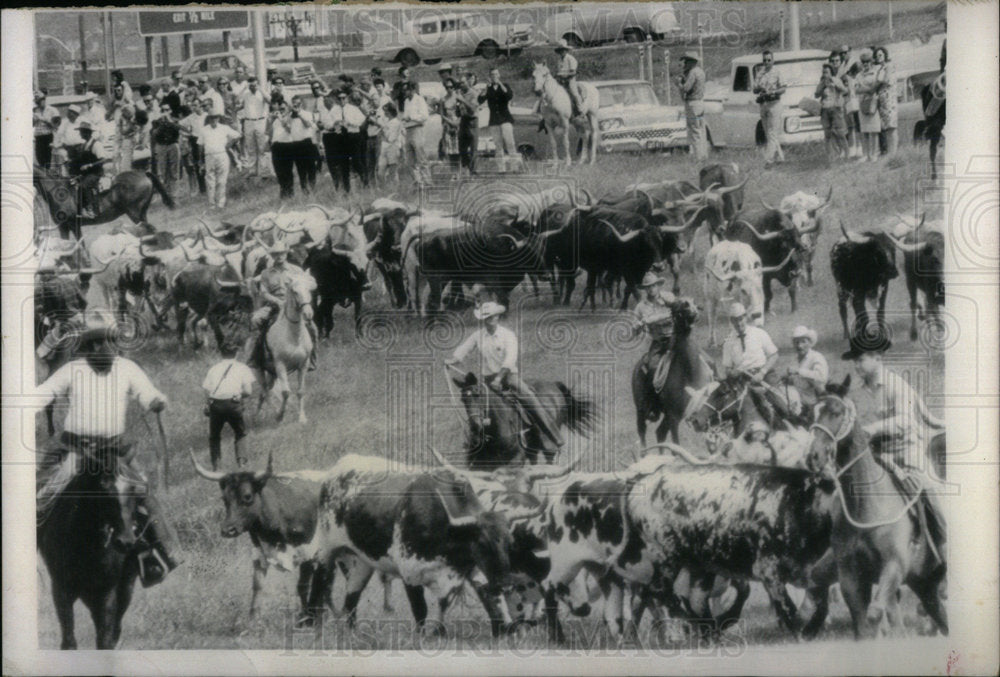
(45,121)
(87,167)
(67,141)
(498,362)
(566,74)
(769,89)
(99,385)
(810,364)
(215,142)
(271,288)
(692,86)
(749,350)
(653,315)
(894,415)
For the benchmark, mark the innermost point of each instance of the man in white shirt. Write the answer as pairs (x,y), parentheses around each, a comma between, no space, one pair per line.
(330,119)
(302,128)
(119,81)
(354,123)
(215,142)
(810,364)
(67,141)
(238,85)
(252,107)
(227,386)
(749,350)
(209,92)
(414,116)
(498,364)
(99,385)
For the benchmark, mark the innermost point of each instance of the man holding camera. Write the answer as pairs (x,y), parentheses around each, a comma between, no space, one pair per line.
(769,89)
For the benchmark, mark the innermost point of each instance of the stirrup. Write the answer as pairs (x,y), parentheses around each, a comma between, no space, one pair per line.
(153,568)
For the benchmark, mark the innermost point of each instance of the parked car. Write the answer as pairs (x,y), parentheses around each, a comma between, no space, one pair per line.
(630,117)
(297,75)
(594,23)
(436,36)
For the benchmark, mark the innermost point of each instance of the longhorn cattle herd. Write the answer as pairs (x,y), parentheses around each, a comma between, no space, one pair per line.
(673,533)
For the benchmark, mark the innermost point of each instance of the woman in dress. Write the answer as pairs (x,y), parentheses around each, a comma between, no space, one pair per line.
(885,74)
(449,123)
(866,85)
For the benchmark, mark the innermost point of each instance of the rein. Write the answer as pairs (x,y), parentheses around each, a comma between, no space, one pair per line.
(839,436)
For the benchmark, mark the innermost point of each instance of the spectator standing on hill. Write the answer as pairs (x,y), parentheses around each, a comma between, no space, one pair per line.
(142,153)
(216,139)
(166,149)
(253,104)
(692,86)
(831,92)
(414,116)
(45,121)
(191,127)
(399,95)
(885,75)
(468,125)
(498,96)
(330,120)
(282,148)
(302,128)
(125,135)
(354,124)
(769,90)
(119,81)
(392,144)
(866,84)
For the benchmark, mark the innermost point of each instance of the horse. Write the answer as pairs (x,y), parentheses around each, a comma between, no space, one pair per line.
(86,537)
(496,434)
(130,194)
(556,109)
(876,537)
(687,369)
(289,342)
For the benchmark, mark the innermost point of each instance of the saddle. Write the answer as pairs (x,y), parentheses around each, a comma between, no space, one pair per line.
(930,525)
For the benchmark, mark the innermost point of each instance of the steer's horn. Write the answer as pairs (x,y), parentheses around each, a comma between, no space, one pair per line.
(518,244)
(774,269)
(907,248)
(621,238)
(261,476)
(760,236)
(703,195)
(826,202)
(211,475)
(370,217)
(226,284)
(729,189)
(453,519)
(720,278)
(912,224)
(679,229)
(319,207)
(766,205)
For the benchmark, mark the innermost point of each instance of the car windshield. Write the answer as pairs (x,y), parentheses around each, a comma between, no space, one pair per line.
(798,73)
(627,95)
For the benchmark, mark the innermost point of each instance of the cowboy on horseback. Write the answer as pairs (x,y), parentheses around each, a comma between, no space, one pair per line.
(749,351)
(566,75)
(810,364)
(271,287)
(99,384)
(899,425)
(653,315)
(498,355)
(86,168)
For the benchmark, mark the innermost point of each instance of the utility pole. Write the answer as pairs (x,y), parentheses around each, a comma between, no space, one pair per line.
(292,23)
(793,26)
(105,23)
(781,13)
(83,47)
(111,27)
(889,3)
(257,23)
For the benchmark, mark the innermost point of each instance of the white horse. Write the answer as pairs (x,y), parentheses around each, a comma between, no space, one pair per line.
(289,341)
(557,109)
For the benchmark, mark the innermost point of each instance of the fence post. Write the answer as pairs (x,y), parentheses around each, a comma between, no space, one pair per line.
(649,59)
(666,73)
(642,61)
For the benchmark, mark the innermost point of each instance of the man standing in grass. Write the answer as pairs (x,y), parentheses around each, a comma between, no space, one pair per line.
(692,86)
(227,386)
(769,90)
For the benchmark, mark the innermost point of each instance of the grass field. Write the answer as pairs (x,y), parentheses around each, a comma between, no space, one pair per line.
(353,408)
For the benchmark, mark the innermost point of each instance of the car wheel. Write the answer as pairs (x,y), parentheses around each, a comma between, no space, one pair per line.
(573,40)
(408,58)
(527,151)
(488,49)
(431,62)
(634,35)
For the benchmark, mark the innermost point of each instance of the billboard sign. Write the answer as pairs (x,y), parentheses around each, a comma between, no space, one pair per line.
(191,21)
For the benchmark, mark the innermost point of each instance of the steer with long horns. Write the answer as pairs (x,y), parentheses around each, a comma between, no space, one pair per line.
(923,268)
(778,243)
(805,212)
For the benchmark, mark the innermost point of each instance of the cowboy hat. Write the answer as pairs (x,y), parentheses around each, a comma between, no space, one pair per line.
(488,309)
(862,343)
(85,126)
(73,109)
(279,247)
(445,67)
(691,56)
(805,332)
(98,328)
(39,94)
(562,44)
(737,310)
(650,279)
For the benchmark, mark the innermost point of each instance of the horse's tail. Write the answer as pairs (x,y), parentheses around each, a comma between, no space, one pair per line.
(167,200)
(581,413)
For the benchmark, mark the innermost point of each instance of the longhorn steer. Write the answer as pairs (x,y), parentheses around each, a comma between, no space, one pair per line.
(733,271)
(428,529)
(203,290)
(923,268)
(805,211)
(279,512)
(862,265)
(778,243)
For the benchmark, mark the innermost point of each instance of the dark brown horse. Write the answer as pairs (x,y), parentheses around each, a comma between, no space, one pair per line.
(86,537)
(876,537)
(687,370)
(130,194)
(497,433)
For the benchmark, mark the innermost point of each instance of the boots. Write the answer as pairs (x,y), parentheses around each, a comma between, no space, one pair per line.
(164,553)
